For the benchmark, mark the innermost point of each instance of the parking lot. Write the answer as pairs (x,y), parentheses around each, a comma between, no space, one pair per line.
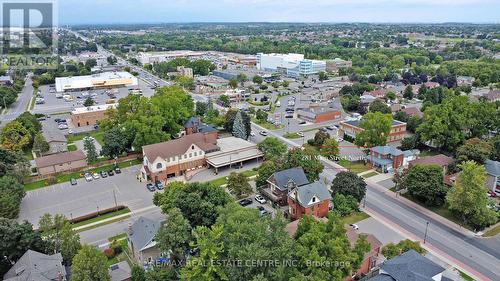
(87,197)
(55,105)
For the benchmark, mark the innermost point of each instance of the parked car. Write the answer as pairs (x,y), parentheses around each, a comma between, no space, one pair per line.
(354,226)
(260,199)
(300,134)
(252,134)
(491,194)
(95,176)
(302,122)
(330,127)
(111,173)
(263,133)
(323,130)
(150,187)
(88,177)
(262,211)
(245,202)
(72,181)
(159,185)
(104,174)
(62,126)
(57,120)
(117,170)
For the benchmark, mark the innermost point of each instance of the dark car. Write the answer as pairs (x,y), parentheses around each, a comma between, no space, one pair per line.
(96,126)
(324,129)
(104,174)
(302,122)
(72,181)
(57,120)
(150,187)
(245,202)
(117,170)
(111,173)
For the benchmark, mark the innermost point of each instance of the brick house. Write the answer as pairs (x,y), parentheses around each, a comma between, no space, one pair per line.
(176,157)
(441,160)
(318,114)
(388,158)
(371,258)
(310,199)
(60,162)
(351,128)
(281,183)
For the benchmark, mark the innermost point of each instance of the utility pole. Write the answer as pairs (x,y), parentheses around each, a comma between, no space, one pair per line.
(425,235)
(364,200)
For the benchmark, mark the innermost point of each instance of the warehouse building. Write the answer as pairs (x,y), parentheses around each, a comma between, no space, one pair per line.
(96,81)
(87,116)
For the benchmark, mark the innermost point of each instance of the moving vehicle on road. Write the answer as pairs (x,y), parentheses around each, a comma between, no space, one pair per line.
(354,226)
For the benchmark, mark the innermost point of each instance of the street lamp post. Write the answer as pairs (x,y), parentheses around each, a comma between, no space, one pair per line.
(364,200)
(426,228)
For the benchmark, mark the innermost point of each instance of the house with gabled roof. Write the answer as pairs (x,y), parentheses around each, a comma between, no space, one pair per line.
(141,240)
(493,175)
(309,199)
(37,266)
(281,183)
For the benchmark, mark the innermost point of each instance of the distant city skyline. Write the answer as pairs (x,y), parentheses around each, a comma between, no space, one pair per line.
(183,11)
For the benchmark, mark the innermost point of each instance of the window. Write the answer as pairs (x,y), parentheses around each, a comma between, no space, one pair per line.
(159,166)
(185,156)
(190,155)
(195,153)
(192,146)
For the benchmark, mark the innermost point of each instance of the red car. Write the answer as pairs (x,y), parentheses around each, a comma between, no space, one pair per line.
(491,194)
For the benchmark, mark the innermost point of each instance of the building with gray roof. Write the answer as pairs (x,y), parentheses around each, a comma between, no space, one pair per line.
(311,199)
(37,266)
(141,239)
(282,182)
(493,175)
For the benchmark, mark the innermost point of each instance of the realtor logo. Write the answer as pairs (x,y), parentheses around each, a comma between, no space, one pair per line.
(28,37)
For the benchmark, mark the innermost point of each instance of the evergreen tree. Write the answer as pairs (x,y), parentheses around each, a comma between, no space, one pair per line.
(40,144)
(89,146)
(239,130)
(408,93)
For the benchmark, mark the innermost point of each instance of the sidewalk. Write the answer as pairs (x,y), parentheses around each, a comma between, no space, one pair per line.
(124,216)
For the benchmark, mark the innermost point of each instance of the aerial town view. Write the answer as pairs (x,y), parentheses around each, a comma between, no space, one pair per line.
(250,140)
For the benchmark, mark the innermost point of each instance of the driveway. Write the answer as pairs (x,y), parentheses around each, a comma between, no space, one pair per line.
(86,197)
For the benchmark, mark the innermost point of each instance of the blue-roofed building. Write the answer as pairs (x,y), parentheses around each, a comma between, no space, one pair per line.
(388,158)
(493,173)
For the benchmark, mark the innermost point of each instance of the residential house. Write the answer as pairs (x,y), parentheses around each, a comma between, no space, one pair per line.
(174,158)
(493,95)
(410,266)
(318,114)
(60,162)
(56,140)
(6,81)
(493,175)
(371,258)
(441,160)
(141,240)
(37,266)
(379,93)
(465,80)
(194,125)
(388,158)
(351,128)
(281,183)
(120,272)
(309,199)
(431,85)
(413,111)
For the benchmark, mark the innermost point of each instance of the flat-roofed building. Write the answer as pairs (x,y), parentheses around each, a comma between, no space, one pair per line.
(351,128)
(95,81)
(291,64)
(233,151)
(336,64)
(318,114)
(87,116)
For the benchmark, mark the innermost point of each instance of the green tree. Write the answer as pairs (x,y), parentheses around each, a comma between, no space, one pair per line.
(185,82)
(319,138)
(224,101)
(261,115)
(349,183)
(40,144)
(30,122)
(174,236)
(257,79)
(16,239)
(392,250)
(230,117)
(89,264)
(89,101)
(467,197)
(242,78)
(138,273)
(89,147)
(238,185)
(330,149)
(408,93)
(201,108)
(13,163)
(307,159)
(11,195)
(198,202)
(376,128)
(380,106)
(239,129)
(474,149)
(344,204)
(59,236)
(390,96)
(425,183)
(273,148)
(115,143)
(15,136)
(265,171)
(322,76)
(233,83)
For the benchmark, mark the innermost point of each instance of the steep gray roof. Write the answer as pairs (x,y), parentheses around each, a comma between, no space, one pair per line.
(143,232)
(296,175)
(386,150)
(316,189)
(192,122)
(411,266)
(120,271)
(36,266)
(492,167)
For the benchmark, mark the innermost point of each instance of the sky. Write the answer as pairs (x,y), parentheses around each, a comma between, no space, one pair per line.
(178,11)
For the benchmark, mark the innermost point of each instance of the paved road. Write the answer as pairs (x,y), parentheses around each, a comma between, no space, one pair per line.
(20,105)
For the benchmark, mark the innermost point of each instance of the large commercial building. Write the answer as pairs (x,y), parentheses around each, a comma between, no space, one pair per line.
(157,57)
(352,128)
(336,64)
(96,81)
(291,64)
(87,116)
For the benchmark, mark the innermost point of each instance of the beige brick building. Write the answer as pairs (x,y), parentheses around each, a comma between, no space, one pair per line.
(87,116)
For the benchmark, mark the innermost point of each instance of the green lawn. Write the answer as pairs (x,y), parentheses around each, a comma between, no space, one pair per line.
(266,125)
(258,103)
(117,237)
(370,174)
(28,154)
(98,136)
(492,232)
(356,167)
(428,153)
(291,136)
(465,276)
(67,177)
(355,217)
(222,180)
(103,217)
(72,147)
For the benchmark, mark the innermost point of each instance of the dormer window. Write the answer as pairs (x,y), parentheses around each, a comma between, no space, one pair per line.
(159,166)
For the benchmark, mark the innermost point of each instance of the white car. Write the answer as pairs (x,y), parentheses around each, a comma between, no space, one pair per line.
(300,134)
(354,226)
(263,133)
(260,199)
(88,177)
(252,134)
(95,176)
(62,126)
